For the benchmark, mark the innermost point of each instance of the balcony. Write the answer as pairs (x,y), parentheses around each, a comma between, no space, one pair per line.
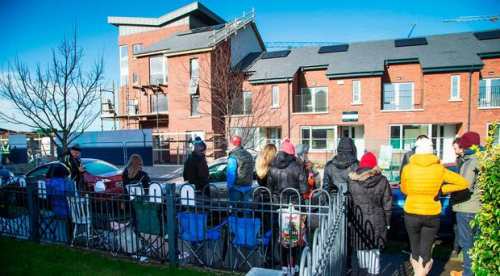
(489,95)
(305,103)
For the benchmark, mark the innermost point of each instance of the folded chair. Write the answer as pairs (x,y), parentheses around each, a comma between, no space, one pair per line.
(81,217)
(246,236)
(150,226)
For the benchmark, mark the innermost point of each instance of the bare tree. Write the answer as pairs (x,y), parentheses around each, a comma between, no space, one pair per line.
(58,99)
(226,97)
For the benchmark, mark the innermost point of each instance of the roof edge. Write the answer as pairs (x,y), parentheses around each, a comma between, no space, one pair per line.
(489,55)
(473,67)
(273,80)
(355,74)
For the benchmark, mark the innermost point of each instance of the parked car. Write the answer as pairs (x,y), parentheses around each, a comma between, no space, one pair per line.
(398,200)
(217,178)
(95,170)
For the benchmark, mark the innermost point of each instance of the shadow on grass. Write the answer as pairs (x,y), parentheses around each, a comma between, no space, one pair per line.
(28,258)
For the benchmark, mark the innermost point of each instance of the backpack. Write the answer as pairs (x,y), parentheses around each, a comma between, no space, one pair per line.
(245,167)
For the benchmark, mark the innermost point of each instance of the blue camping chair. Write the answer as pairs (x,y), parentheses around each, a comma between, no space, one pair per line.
(246,234)
(196,235)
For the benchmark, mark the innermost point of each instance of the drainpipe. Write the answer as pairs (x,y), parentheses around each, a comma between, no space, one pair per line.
(469,106)
(288,93)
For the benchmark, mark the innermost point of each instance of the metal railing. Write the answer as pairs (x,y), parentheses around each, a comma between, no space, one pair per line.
(489,97)
(178,225)
(305,104)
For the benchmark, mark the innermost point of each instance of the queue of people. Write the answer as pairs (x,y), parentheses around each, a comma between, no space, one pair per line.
(423,180)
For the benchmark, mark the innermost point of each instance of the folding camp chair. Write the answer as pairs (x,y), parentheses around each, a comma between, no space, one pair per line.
(150,221)
(246,235)
(81,217)
(196,236)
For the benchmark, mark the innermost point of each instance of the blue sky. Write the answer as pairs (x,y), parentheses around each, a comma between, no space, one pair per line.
(30,28)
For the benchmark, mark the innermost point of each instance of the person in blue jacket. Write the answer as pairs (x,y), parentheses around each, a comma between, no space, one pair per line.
(240,170)
(58,187)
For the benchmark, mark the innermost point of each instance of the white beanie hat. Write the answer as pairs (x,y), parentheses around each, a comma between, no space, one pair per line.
(424,146)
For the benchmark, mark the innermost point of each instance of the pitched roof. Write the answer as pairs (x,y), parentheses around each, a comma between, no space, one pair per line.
(193,8)
(448,52)
(200,38)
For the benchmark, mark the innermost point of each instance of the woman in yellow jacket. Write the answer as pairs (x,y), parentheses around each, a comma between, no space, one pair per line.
(421,181)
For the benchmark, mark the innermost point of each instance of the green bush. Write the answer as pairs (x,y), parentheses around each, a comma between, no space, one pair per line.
(486,251)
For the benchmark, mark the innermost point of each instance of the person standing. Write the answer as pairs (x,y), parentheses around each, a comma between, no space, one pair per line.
(467,204)
(196,168)
(409,154)
(133,173)
(372,202)
(73,161)
(286,172)
(422,180)
(263,163)
(337,170)
(240,167)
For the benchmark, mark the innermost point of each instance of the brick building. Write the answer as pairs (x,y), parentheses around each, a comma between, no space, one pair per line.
(190,73)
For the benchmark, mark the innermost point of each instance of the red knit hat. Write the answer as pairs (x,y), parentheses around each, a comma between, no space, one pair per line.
(287,147)
(368,161)
(469,139)
(236,140)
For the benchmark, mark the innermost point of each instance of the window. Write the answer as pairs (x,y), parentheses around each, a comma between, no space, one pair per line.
(403,137)
(157,73)
(247,102)
(455,88)
(136,48)
(194,68)
(356,92)
(195,104)
(158,103)
(318,138)
(123,65)
(275,100)
(398,96)
(312,100)
(489,93)
(133,107)
(135,79)
(249,136)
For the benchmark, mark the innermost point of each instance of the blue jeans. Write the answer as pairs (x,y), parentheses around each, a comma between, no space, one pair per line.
(466,236)
(239,198)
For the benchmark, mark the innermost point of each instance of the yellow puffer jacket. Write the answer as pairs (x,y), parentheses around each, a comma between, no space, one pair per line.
(421,181)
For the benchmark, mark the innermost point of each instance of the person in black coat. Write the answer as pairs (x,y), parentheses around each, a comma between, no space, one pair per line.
(133,173)
(337,170)
(196,168)
(286,172)
(371,212)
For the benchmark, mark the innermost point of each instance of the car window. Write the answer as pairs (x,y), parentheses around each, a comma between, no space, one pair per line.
(217,172)
(38,174)
(99,167)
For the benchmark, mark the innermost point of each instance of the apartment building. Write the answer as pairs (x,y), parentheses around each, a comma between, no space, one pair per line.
(383,92)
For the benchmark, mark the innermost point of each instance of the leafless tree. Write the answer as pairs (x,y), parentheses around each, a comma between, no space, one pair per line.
(59,99)
(226,97)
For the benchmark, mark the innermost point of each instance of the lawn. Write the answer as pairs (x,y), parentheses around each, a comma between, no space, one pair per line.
(28,258)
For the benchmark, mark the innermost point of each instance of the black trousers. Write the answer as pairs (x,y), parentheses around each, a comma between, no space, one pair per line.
(422,231)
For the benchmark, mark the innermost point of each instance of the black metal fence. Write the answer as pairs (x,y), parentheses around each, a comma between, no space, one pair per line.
(175,224)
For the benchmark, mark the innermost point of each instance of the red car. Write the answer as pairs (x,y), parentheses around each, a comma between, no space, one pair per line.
(95,170)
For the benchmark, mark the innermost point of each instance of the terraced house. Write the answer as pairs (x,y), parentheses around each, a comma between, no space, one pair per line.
(189,72)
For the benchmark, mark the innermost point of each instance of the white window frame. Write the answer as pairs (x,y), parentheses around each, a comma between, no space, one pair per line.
(191,68)
(397,95)
(135,105)
(123,69)
(488,93)
(153,98)
(140,46)
(314,90)
(198,106)
(163,71)
(244,111)
(457,96)
(401,139)
(311,128)
(356,88)
(275,96)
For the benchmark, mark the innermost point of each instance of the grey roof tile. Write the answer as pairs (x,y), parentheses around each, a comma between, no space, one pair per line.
(457,50)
